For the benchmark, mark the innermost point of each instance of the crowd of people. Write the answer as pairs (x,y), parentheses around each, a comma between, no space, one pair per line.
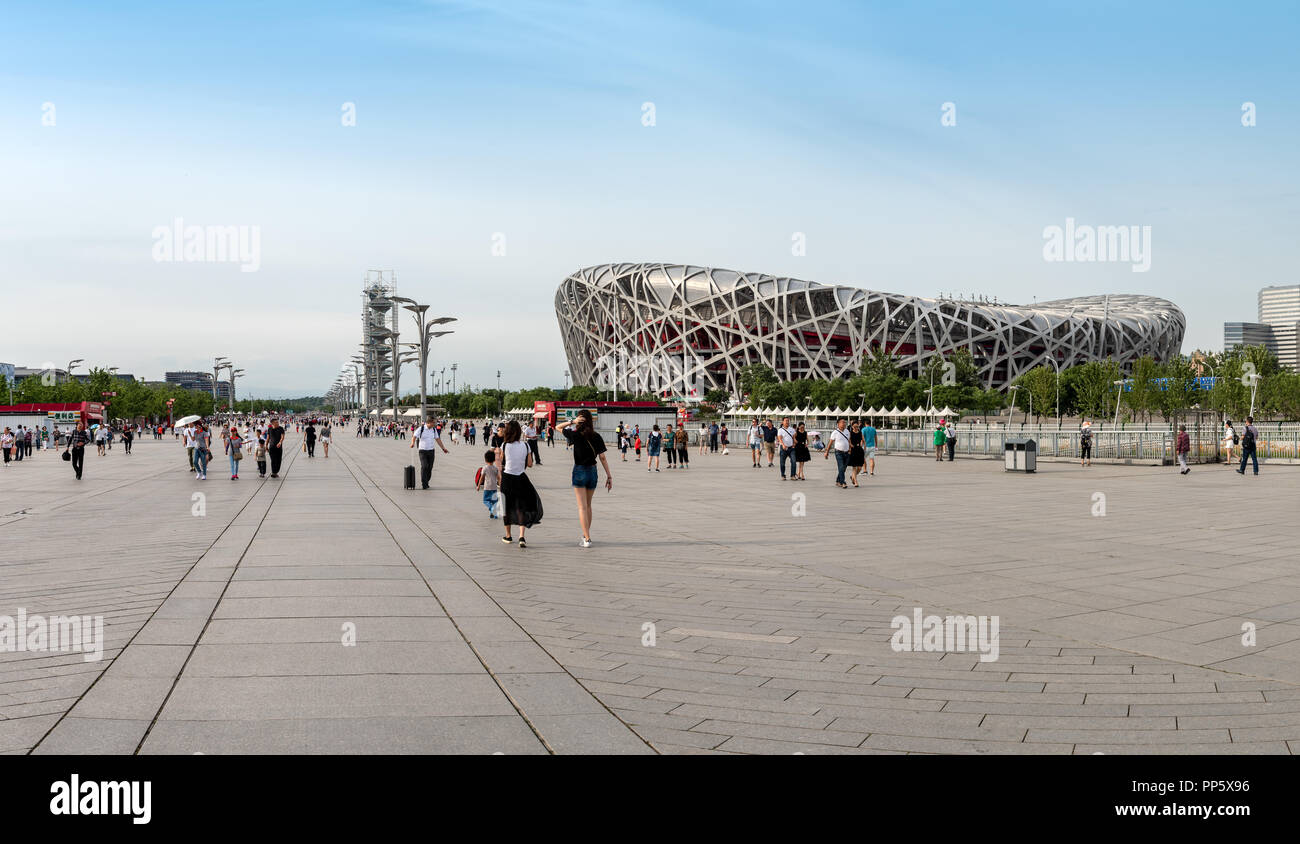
(24,441)
(512,448)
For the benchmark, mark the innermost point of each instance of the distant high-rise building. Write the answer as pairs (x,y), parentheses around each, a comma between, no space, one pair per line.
(1278,329)
(1249,334)
(1280,308)
(195,380)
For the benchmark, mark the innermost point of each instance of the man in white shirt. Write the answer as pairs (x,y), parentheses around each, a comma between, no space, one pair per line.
(427,437)
(786,438)
(950,439)
(530,437)
(840,446)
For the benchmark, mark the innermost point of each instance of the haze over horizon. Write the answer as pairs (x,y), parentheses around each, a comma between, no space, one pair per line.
(521,127)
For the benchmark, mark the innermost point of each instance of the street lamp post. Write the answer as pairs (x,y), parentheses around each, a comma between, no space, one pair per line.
(1119,393)
(234,373)
(1254,385)
(453,377)
(71,364)
(1011,405)
(1057,364)
(218,364)
(425,327)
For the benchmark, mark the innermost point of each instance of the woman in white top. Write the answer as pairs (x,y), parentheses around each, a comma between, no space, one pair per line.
(1229,440)
(755,442)
(325,437)
(520,502)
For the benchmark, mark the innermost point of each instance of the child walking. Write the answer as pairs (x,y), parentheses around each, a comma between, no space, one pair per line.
(260,454)
(488,480)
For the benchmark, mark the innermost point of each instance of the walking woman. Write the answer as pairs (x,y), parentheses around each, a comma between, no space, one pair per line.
(235,448)
(522,506)
(77,442)
(801,453)
(325,437)
(7,443)
(683,447)
(857,456)
(755,441)
(202,438)
(588,446)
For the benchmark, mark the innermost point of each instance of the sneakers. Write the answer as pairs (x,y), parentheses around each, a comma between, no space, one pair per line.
(507,540)
(522,543)
(584,542)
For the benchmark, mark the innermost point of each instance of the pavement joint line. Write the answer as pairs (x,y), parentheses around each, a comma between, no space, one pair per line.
(216,604)
(495,679)
(181,580)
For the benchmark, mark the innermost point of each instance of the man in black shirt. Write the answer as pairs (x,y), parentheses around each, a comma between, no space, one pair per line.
(275,446)
(77,442)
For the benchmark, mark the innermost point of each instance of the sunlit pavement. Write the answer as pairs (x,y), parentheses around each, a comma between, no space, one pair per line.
(720,609)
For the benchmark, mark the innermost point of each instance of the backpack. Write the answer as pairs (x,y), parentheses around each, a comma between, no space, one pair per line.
(1236,438)
(478,478)
(1248,438)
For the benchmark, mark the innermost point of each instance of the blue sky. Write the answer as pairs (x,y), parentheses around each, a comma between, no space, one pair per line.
(524,118)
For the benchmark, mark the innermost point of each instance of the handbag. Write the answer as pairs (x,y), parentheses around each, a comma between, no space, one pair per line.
(67,455)
(237,454)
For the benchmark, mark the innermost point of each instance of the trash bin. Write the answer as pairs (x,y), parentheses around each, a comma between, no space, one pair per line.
(1021,454)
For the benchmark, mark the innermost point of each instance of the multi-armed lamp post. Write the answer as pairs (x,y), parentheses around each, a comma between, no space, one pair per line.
(425,328)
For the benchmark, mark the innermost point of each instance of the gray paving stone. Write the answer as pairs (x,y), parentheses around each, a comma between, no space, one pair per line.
(480,734)
(1134,645)
(93,737)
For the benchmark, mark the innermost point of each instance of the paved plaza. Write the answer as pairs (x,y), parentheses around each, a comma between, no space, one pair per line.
(1121,594)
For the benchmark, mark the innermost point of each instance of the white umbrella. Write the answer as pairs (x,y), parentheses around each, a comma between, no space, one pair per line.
(185,420)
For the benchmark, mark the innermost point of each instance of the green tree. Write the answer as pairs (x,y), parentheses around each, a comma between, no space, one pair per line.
(1040,384)
(878,362)
(1090,388)
(1178,387)
(988,400)
(754,379)
(1141,396)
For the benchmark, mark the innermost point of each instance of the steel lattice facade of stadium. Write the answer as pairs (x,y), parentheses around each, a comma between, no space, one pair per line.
(674,327)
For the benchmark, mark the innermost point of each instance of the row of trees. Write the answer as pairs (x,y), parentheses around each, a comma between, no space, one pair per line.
(136,399)
(1089,389)
(1166,388)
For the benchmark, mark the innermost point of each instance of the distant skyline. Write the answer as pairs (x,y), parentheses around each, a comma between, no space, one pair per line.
(480,125)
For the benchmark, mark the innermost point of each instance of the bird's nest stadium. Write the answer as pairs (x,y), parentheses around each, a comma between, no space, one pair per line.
(684,329)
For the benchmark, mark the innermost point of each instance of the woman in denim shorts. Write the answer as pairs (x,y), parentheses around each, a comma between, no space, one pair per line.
(588,447)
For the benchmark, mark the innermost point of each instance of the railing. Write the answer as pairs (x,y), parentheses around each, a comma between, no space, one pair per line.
(1139,446)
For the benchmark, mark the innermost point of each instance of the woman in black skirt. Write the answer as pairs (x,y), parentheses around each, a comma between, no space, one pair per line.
(801,453)
(521,505)
(857,457)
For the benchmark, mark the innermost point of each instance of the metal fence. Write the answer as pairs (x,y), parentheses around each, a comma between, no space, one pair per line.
(1135,446)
